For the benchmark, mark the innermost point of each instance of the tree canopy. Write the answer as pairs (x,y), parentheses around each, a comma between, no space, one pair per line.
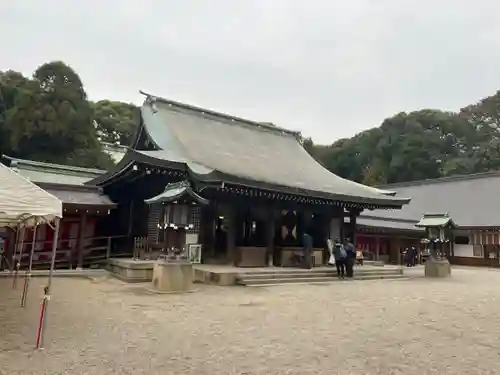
(423,144)
(48,117)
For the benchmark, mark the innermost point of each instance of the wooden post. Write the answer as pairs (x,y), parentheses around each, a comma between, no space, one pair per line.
(130,218)
(377,248)
(108,248)
(206,233)
(81,240)
(270,236)
(352,225)
(231,234)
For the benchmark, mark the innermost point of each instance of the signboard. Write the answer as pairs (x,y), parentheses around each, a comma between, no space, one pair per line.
(194,253)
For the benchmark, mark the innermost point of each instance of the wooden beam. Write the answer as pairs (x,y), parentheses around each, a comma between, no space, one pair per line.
(81,239)
(231,234)
(270,232)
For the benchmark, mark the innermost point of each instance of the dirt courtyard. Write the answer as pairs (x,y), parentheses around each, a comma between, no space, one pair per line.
(104,326)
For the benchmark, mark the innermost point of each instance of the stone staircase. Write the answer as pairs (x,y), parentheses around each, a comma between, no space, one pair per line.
(316,275)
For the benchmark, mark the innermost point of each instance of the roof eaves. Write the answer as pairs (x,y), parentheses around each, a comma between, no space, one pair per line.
(56,186)
(50,167)
(384,201)
(370,217)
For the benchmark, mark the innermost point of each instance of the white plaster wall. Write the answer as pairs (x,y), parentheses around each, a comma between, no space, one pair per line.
(463,251)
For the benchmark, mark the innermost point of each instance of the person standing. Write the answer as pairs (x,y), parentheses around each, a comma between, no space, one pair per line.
(350,257)
(340,258)
(414,255)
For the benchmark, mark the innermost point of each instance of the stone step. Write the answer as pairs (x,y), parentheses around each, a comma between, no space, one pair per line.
(326,273)
(316,271)
(286,280)
(309,274)
(376,263)
(316,280)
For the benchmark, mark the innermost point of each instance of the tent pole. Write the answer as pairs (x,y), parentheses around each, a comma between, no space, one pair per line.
(46,297)
(18,263)
(16,245)
(27,276)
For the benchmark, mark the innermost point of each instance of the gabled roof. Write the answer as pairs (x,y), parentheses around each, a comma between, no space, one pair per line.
(62,181)
(39,172)
(175,191)
(218,147)
(471,200)
(82,195)
(385,223)
(435,220)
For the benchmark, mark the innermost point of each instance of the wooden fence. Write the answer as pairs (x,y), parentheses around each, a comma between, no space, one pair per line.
(95,251)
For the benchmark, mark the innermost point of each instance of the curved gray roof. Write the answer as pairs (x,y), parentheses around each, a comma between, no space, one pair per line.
(470,200)
(233,149)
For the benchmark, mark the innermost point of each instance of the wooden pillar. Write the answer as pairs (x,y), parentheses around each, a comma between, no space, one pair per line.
(81,239)
(130,218)
(377,248)
(395,250)
(206,236)
(352,225)
(231,235)
(270,231)
(336,222)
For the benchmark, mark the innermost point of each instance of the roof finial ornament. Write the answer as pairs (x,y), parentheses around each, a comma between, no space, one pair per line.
(150,100)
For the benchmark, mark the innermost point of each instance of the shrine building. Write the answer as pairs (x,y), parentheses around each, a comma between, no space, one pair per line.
(245,191)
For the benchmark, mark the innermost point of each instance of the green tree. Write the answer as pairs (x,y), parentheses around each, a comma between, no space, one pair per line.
(406,147)
(48,118)
(116,121)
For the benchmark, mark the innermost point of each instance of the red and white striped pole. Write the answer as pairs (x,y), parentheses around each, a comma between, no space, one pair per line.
(41,321)
(46,298)
(27,276)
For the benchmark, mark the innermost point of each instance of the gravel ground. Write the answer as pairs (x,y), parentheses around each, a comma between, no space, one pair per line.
(103,326)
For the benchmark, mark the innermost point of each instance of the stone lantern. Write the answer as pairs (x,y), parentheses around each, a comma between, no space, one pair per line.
(438,240)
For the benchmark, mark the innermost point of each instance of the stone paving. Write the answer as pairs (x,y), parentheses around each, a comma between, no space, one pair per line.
(415,326)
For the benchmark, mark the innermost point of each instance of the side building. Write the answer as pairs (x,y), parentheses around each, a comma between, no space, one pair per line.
(472,201)
(245,191)
(84,208)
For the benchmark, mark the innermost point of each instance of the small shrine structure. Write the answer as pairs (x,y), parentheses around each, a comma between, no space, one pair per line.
(439,241)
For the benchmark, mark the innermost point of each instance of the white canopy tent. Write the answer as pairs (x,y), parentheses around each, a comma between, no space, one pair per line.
(24,204)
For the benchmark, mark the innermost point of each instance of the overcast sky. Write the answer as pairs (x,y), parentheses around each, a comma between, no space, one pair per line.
(328,68)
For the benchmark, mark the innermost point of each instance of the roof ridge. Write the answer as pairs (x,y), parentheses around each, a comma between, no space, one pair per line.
(14,162)
(453,178)
(64,186)
(203,111)
(401,220)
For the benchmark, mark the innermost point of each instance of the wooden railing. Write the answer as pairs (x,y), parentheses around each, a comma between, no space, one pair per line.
(95,250)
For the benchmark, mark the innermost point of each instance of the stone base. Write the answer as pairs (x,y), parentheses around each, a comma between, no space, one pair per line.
(172,277)
(437,268)
(216,278)
(129,270)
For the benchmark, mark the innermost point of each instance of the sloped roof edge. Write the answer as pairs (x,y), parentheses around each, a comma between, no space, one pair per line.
(17,162)
(267,125)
